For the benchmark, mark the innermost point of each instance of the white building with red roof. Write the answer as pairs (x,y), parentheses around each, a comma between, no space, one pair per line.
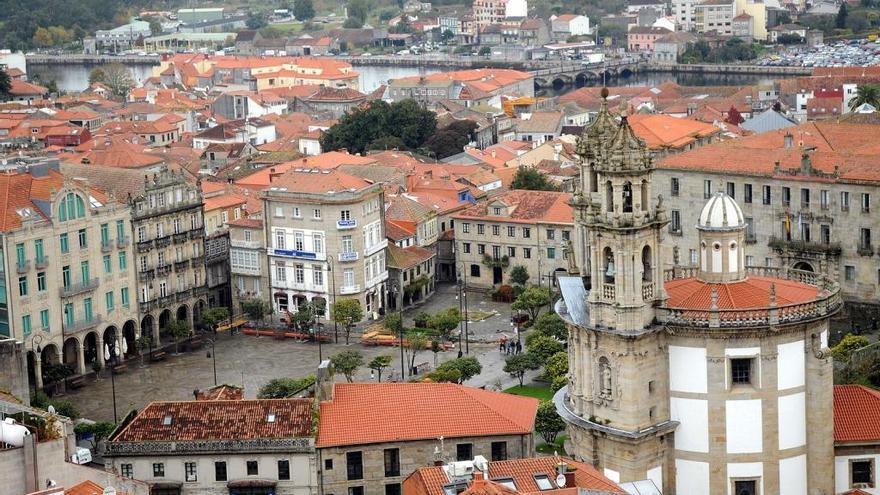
(856,439)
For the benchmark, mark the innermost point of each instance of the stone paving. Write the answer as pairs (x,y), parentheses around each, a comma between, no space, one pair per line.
(252,361)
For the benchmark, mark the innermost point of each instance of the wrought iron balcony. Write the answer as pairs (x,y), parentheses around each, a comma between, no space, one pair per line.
(197,233)
(80,325)
(147,274)
(163,270)
(163,241)
(782,244)
(144,246)
(23,267)
(121,242)
(180,266)
(79,288)
(41,262)
(198,260)
(106,246)
(179,238)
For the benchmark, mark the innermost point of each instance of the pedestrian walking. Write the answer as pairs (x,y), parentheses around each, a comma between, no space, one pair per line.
(518,347)
(502,343)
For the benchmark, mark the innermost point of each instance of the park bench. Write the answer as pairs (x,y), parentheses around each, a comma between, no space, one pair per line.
(75,382)
(157,356)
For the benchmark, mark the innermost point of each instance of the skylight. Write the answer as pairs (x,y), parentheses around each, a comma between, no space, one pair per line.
(167,420)
(508,482)
(543,482)
(271,418)
(94,203)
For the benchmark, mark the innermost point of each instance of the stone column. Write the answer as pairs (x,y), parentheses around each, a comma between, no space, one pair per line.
(119,337)
(155,332)
(80,358)
(99,341)
(38,371)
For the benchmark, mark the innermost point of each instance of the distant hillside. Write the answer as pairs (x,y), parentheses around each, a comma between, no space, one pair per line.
(62,20)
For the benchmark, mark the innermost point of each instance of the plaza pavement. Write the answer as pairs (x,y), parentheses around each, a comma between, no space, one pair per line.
(252,361)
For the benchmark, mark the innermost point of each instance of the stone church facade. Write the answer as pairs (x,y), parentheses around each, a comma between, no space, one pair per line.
(708,379)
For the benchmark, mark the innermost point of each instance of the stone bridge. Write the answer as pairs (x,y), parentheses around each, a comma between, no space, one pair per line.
(558,75)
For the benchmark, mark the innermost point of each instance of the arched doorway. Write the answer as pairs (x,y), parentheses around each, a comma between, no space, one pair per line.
(608,269)
(164,320)
(49,355)
(129,333)
(111,342)
(647,269)
(147,325)
(804,266)
(198,309)
(90,348)
(70,353)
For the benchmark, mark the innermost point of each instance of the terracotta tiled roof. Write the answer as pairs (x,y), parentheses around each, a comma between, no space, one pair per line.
(24,88)
(337,94)
(431,480)
(753,292)
(366,413)
(856,414)
(406,209)
(396,232)
(664,131)
(833,144)
(318,181)
(527,206)
(408,257)
(219,420)
(87,487)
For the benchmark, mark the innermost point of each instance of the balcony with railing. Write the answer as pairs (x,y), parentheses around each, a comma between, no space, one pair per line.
(148,274)
(346,224)
(825,303)
(180,266)
(163,270)
(41,262)
(23,266)
(348,256)
(144,246)
(180,237)
(183,295)
(196,233)
(198,260)
(167,300)
(351,289)
(121,242)
(106,246)
(80,325)
(782,244)
(147,306)
(78,288)
(163,241)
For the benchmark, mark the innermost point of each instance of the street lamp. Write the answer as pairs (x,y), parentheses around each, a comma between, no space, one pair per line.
(212,354)
(333,297)
(462,287)
(111,354)
(35,347)
(395,289)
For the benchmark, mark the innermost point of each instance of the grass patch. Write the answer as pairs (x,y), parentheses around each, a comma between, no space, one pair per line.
(288,27)
(540,393)
(557,446)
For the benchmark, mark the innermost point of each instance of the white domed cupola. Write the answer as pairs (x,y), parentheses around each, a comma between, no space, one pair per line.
(722,232)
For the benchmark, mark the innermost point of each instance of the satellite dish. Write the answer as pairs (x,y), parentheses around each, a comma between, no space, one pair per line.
(560,481)
(109,491)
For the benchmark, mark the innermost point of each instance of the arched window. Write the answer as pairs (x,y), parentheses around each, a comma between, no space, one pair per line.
(609,197)
(645,195)
(608,268)
(594,180)
(627,197)
(72,207)
(647,270)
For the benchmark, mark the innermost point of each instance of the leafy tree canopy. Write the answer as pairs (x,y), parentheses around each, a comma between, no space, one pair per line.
(519,275)
(530,179)
(213,316)
(98,431)
(542,347)
(405,120)
(520,364)
(379,363)
(847,345)
(303,10)
(282,388)
(548,423)
(5,85)
(551,325)
(464,368)
(532,300)
(452,139)
(347,363)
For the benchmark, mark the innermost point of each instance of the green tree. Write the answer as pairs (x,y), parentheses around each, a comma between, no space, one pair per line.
(548,423)
(551,325)
(865,93)
(519,275)
(256,309)
(393,322)
(356,130)
(386,143)
(485,51)
(5,86)
(416,342)
(256,20)
(347,363)
(445,375)
(529,178)
(532,300)
(303,10)
(213,316)
(155,25)
(352,23)
(359,10)
(520,364)
(282,388)
(542,347)
(98,431)
(842,14)
(444,322)
(143,344)
(451,139)
(847,345)
(378,364)
(556,369)
(177,329)
(347,313)
(97,76)
(447,35)
(466,368)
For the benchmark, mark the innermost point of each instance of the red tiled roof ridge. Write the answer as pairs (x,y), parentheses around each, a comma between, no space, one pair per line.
(749,293)
(856,413)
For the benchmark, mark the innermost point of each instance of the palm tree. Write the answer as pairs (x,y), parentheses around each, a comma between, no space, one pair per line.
(866,93)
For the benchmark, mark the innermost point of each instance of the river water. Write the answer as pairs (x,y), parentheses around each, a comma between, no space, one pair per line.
(75,77)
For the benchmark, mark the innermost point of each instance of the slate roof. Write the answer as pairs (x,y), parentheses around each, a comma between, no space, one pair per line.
(856,414)
(368,413)
(219,420)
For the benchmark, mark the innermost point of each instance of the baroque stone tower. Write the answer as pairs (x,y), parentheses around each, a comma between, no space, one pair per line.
(617,358)
(702,379)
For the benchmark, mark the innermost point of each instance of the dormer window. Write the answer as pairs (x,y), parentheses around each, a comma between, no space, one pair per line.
(166,421)
(496,211)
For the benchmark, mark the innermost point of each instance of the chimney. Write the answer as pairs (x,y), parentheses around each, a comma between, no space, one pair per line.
(788,140)
(692,108)
(324,381)
(569,479)
(493,153)
(557,150)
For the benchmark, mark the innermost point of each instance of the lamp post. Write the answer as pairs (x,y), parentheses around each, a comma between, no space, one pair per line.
(319,331)
(463,291)
(113,352)
(333,297)
(37,350)
(395,289)
(212,354)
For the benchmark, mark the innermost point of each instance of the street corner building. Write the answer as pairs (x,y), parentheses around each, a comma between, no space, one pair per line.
(712,378)
(373,435)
